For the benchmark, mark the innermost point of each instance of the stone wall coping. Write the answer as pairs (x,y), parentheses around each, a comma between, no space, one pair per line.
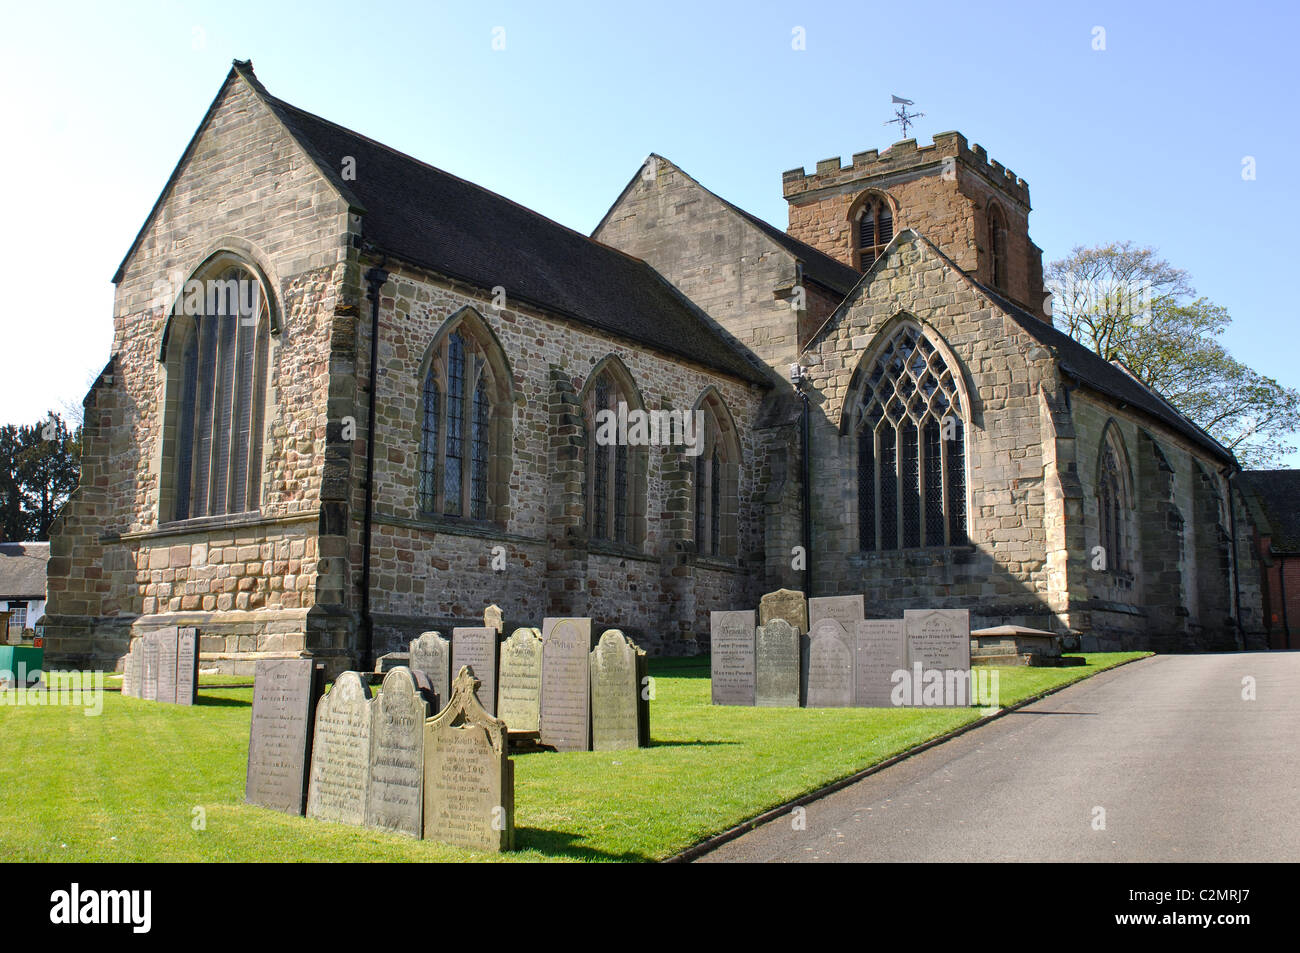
(206,524)
(454,527)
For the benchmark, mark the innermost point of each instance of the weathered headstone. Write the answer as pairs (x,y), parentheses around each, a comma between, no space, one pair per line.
(615,707)
(787,604)
(187,666)
(166,640)
(469,781)
(149,668)
(340,756)
(828,668)
(431,654)
(395,798)
(846,610)
(731,639)
(879,653)
(285,692)
(477,648)
(939,641)
(492,618)
(776,665)
(519,692)
(566,710)
(130,675)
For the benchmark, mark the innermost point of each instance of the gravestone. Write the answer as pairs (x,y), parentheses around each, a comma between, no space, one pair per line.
(477,648)
(187,666)
(615,693)
(285,692)
(166,640)
(828,666)
(776,665)
(149,668)
(431,654)
(565,721)
(939,641)
(492,619)
(519,688)
(731,639)
(395,796)
(846,610)
(879,652)
(469,781)
(130,679)
(787,604)
(340,755)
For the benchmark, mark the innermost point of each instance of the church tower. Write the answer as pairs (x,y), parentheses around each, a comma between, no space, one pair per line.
(971,207)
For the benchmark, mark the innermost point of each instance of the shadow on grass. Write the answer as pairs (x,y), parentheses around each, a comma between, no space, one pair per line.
(694,667)
(689,744)
(216,701)
(567,844)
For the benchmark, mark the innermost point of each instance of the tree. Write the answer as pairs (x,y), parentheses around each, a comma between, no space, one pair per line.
(49,466)
(1129,305)
(11,499)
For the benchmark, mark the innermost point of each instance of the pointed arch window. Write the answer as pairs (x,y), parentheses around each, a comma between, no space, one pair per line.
(464,426)
(875,228)
(997,247)
(1114,502)
(615,469)
(717,471)
(911,431)
(216,352)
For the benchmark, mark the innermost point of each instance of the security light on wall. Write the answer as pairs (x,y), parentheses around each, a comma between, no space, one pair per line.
(797,374)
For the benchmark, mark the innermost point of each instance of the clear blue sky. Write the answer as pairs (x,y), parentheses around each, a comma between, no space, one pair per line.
(1143,140)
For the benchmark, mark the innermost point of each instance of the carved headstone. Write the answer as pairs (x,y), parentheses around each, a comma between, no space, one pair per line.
(130,677)
(340,756)
(149,668)
(879,653)
(477,648)
(166,640)
(566,710)
(846,610)
(787,604)
(469,782)
(492,619)
(615,693)
(776,665)
(519,692)
(828,671)
(431,654)
(731,637)
(285,692)
(395,799)
(939,640)
(187,666)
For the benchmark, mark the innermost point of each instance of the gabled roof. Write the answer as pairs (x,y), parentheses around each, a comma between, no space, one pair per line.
(22,570)
(425,217)
(1277,492)
(818,266)
(1075,359)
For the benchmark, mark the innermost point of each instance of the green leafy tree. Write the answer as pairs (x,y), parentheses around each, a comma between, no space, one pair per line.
(49,466)
(12,528)
(1129,305)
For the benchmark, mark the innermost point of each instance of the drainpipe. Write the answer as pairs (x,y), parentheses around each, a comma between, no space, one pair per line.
(799,377)
(375,279)
(1236,574)
(1281,579)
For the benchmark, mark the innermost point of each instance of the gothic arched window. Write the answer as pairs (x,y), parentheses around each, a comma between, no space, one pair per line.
(615,469)
(465,414)
(216,352)
(875,228)
(911,432)
(997,247)
(717,471)
(1113,503)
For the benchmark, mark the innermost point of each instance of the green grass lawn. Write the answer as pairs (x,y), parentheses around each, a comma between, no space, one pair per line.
(124,786)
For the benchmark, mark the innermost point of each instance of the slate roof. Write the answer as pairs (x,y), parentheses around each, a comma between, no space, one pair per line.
(22,570)
(429,218)
(1277,493)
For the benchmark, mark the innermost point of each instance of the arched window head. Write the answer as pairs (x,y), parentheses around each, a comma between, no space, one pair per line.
(717,477)
(216,352)
(615,466)
(997,244)
(1114,503)
(911,433)
(466,411)
(874,228)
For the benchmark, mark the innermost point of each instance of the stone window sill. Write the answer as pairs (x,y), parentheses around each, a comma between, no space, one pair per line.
(601,547)
(207,524)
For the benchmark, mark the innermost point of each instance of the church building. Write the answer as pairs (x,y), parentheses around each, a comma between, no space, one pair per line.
(352,398)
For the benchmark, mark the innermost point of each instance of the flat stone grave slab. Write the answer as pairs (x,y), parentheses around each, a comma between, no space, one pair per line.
(828,669)
(879,653)
(565,720)
(731,637)
(285,692)
(939,641)
(519,688)
(476,647)
(787,604)
(776,665)
(431,654)
(846,610)
(187,665)
(615,707)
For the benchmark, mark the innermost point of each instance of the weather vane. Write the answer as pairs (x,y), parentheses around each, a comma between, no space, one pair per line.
(901,115)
